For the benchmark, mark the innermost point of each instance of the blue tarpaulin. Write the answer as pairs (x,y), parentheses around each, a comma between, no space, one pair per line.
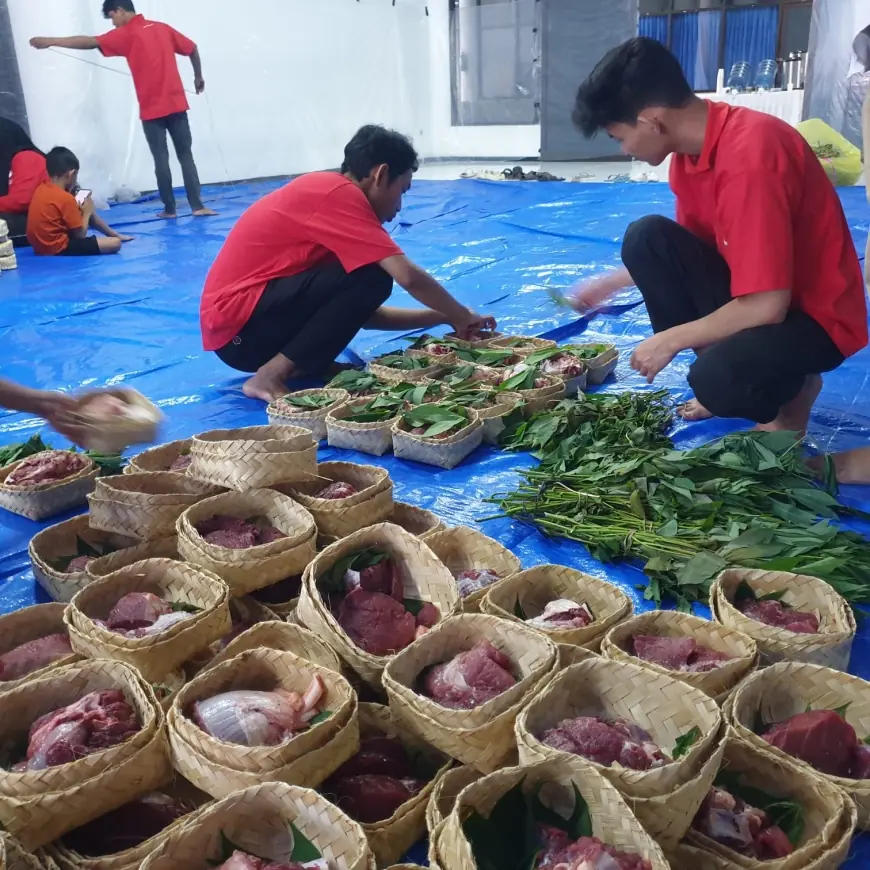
(133,319)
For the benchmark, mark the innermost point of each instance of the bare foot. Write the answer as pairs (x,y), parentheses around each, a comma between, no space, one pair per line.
(795,416)
(853,466)
(265,389)
(693,410)
(204,212)
(126,238)
(167,215)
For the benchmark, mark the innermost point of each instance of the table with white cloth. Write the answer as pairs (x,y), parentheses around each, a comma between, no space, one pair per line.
(787,105)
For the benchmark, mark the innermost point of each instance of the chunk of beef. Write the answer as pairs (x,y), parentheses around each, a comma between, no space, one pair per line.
(475,579)
(780,616)
(181,463)
(860,762)
(80,563)
(821,738)
(234,533)
(337,490)
(47,467)
(678,653)
(471,678)
(428,616)
(137,610)
(270,534)
(563,614)
(587,853)
(372,798)
(606,742)
(33,656)
(384,577)
(376,623)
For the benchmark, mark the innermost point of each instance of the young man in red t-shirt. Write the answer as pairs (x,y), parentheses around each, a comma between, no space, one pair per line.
(150,48)
(311,264)
(758,275)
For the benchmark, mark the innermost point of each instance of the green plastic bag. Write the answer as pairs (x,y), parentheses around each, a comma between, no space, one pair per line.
(840,158)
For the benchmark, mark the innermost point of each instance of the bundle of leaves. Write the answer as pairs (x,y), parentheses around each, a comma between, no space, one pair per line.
(435,421)
(356,382)
(309,401)
(491,357)
(474,398)
(424,341)
(468,376)
(402,362)
(524,376)
(415,394)
(108,464)
(579,351)
(377,410)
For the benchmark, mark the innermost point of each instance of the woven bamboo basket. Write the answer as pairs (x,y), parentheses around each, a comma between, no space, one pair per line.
(113,434)
(282,413)
(413,376)
(146,505)
(529,344)
(461,549)
(257,820)
(156,656)
(159,458)
(474,343)
(573,655)
(415,520)
(31,623)
(825,808)
(47,500)
(494,416)
(13,857)
(391,839)
(258,456)
(39,806)
(446,791)
(537,399)
(482,737)
(372,503)
(57,544)
(672,623)
(254,567)
(612,820)
(375,439)
(444,453)
(537,587)
(423,576)
(783,690)
(162,548)
(600,367)
(166,688)
(436,862)
(831,647)
(278,599)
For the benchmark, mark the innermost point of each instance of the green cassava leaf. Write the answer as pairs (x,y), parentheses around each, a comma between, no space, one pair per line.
(303,849)
(183,607)
(413,605)
(685,742)
(322,716)
(519,613)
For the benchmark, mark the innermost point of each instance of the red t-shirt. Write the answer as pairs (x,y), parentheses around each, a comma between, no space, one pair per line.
(313,219)
(26,173)
(150,48)
(759,194)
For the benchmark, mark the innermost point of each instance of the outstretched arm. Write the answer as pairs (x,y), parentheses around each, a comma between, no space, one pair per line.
(196,62)
(79,43)
(404,319)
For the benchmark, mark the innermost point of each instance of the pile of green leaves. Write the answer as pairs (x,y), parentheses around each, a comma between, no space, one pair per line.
(523,377)
(438,419)
(787,814)
(377,410)
(403,363)
(310,401)
(473,398)
(304,851)
(108,464)
(356,382)
(424,341)
(414,394)
(491,357)
(580,351)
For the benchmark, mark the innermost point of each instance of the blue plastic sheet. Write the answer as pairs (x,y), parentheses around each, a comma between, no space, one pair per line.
(133,319)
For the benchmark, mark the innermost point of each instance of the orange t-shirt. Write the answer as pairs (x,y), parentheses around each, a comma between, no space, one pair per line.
(53,215)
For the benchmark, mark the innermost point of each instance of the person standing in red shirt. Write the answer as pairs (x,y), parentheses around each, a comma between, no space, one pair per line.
(150,48)
(758,275)
(311,264)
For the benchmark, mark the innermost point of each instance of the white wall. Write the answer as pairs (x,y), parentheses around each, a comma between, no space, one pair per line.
(287,84)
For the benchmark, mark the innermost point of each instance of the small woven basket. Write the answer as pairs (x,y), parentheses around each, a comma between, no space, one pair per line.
(484,736)
(523,345)
(168,687)
(54,546)
(474,343)
(284,413)
(573,655)
(375,439)
(160,654)
(461,549)
(423,576)
(444,453)
(671,623)
(538,399)
(258,456)
(257,821)
(31,623)
(159,458)
(600,367)
(412,376)
(245,570)
(534,588)
(372,502)
(162,548)
(415,520)
(112,434)
(446,791)
(493,417)
(13,857)
(45,500)
(776,693)
(831,647)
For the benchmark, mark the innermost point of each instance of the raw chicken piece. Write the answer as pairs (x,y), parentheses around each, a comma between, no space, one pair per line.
(243,861)
(471,678)
(587,853)
(678,653)
(383,577)
(561,614)
(779,616)
(80,563)
(376,623)
(251,718)
(821,738)
(137,610)
(745,829)
(47,467)
(475,579)
(565,365)
(606,742)
(32,656)
(181,463)
(93,723)
(339,489)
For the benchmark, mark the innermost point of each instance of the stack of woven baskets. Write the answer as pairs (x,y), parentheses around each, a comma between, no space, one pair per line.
(8,260)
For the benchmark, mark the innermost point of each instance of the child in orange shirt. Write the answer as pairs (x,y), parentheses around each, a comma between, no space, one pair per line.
(56,223)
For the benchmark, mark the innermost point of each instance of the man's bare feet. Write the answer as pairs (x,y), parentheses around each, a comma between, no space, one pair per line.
(204,212)
(167,215)
(265,389)
(795,416)
(693,410)
(124,238)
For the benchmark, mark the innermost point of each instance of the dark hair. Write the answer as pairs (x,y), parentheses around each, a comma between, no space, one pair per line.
(13,140)
(59,161)
(634,76)
(112,5)
(373,146)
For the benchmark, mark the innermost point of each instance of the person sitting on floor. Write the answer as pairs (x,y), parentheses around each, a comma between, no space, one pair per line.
(309,265)
(758,275)
(57,224)
(22,170)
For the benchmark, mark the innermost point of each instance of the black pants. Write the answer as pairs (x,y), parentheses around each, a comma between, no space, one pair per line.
(310,318)
(750,374)
(178,128)
(88,246)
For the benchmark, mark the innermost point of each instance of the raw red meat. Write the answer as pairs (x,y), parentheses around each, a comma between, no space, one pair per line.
(678,653)
(182,463)
(561,614)
(127,827)
(471,678)
(339,489)
(383,577)
(243,861)
(776,614)
(280,592)
(821,738)
(565,365)
(80,563)
(269,534)
(376,623)
(93,723)
(745,829)
(237,534)
(47,467)
(384,756)
(428,616)
(475,579)
(32,656)
(587,853)
(137,610)
(606,742)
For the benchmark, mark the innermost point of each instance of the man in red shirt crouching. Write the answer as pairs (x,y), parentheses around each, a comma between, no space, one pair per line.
(758,275)
(311,264)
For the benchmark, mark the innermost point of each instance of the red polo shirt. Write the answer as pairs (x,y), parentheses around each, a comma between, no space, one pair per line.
(759,194)
(150,48)
(314,219)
